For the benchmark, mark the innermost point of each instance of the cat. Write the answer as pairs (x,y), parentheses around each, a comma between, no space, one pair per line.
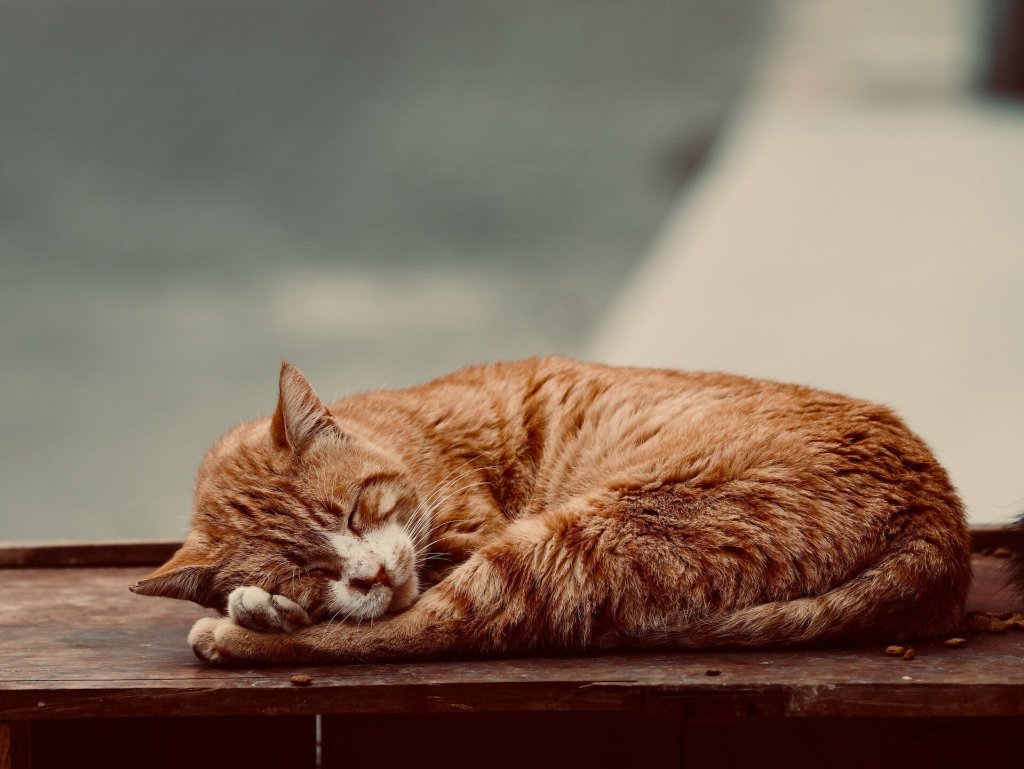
(553,505)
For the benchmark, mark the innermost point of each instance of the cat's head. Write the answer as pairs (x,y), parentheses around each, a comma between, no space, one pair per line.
(302,506)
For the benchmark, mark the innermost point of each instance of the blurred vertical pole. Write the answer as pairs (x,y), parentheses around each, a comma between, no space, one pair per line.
(1004,60)
(15,745)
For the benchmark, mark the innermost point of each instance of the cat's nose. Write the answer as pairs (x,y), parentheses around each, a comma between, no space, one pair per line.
(365,585)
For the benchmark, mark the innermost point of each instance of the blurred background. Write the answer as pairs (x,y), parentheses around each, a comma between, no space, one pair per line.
(381,192)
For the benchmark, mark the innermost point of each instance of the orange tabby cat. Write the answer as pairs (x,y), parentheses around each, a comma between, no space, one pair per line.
(554,505)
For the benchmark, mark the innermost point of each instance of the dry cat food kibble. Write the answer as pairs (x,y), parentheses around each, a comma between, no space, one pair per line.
(1002,552)
(956,643)
(909,654)
(980,622)
(895,651)
(986,622)
(301,679)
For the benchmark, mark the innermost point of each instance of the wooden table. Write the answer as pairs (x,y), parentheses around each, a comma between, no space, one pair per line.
(91,675)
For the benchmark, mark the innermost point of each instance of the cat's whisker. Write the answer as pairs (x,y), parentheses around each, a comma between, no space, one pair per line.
(431,539)
(450,473)
(436,503)
(451,492)
(444,482)
(415,528)
(430,553)
(271,579)
(327,627)
(249,576)
(430,499)
(450,522)
(429,557)
(446,535)
(462,490)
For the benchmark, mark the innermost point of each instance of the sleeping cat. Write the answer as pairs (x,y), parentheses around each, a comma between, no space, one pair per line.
(554,505)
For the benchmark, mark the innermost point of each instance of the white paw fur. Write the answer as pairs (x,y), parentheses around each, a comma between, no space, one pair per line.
(204,635)
(254,608)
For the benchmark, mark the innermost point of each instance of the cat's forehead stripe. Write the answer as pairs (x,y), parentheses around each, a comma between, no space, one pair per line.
(381,478)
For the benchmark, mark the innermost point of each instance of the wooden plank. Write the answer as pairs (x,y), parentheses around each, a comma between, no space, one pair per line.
(854,743)
(172,743)
(264,696)
(15,745)
(494,740)
(985,538)
(40,555)
(75,643)
(907,701)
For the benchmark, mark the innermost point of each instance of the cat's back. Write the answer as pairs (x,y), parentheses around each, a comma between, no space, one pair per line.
(589,420)
(589,397)
(657,425)
(576,400)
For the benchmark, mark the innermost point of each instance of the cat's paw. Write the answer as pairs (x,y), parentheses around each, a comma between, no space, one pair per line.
(204,637)
(255,608)
(220,641)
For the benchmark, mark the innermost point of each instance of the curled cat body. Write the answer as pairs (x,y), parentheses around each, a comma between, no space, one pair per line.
(554,505)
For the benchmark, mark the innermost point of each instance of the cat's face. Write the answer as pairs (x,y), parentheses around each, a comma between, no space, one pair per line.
(304,508)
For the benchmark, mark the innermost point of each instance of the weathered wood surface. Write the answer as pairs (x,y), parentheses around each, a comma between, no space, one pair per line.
(41,555)
(175,743)
(501,741)
(15,745)
(985,538)
(76,643)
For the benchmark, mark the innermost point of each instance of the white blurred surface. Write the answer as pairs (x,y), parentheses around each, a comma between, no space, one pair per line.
(861,230)
(378,191)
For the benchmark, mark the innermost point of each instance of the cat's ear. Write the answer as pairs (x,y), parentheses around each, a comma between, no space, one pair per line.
(300,416)
(188,576)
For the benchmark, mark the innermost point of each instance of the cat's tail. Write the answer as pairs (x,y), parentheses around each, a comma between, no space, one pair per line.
(917,592)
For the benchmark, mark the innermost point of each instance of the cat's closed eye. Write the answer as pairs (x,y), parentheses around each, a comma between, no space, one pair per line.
(325,572)
(346,514)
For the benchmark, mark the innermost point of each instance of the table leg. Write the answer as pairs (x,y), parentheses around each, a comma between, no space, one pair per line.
(15,745)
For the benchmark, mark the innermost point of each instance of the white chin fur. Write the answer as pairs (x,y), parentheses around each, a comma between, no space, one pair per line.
(351,604)
(388,545)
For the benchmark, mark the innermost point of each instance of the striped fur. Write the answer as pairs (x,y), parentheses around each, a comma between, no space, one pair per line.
(556,505)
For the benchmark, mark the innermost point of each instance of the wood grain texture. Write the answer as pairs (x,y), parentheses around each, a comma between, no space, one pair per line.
(853,743)
(984,538)
(15,745)
(45,555)
(592,740)
(74,643)
(173,743)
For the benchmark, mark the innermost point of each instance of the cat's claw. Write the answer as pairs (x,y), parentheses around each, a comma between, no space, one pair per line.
(254,608)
